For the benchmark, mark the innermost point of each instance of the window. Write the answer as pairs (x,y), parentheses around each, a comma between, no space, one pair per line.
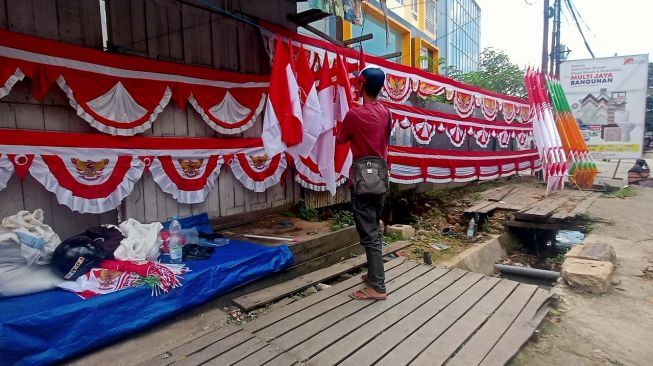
(413,7)
(430,16)
(424,58)
(376,46)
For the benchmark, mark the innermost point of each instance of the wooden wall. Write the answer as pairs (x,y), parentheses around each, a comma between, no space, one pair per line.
(170,30)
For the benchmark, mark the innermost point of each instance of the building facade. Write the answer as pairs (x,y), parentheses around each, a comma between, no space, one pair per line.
(412,31)
(459,30)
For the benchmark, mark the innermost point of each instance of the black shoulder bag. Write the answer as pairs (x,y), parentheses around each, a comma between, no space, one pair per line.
(370,174)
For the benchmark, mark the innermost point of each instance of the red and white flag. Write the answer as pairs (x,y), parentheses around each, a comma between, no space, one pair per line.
(344,100)
(324,152)
(312,117)
(282,123)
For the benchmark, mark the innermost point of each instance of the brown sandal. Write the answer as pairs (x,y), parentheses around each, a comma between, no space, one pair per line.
(368,293)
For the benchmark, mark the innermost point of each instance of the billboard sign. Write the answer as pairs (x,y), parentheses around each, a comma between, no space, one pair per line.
(608,99)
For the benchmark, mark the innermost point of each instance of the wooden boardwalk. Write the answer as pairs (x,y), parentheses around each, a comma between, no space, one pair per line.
(432,316)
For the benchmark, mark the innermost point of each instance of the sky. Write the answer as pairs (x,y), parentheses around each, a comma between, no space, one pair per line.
(624,27)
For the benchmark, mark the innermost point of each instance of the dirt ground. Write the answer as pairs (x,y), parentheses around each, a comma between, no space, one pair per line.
(615,328)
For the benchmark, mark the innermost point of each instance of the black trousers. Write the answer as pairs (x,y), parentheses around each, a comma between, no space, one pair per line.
(367,210)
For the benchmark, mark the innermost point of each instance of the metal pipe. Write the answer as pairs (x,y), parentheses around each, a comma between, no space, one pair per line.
(526,271)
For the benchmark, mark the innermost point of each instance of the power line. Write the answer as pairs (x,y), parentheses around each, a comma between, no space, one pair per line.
(583,20)
(573,14)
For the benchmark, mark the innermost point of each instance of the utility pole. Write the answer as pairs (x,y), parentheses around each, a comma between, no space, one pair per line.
(558,49)
(545,38)
(556,54)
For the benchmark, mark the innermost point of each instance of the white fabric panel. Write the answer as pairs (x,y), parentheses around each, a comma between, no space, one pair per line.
(117,105)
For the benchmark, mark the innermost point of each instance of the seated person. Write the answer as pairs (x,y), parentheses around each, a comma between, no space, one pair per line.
(640,173)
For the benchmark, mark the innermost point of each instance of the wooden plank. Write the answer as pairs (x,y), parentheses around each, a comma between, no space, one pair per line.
(264,355)
(292,331)
(520,330)
(215,349)
(408,297)
(427,331)
(397,276)
(237,353)
(543,225)
(584,205)
(11,198)
(7,115)
(372,340)
(482,342)
(253,300)
(46,23)
(222,38)
(3,14)
(20,16)
(196,35)
(198,344)
(446,344)
(91,24)
(344,286)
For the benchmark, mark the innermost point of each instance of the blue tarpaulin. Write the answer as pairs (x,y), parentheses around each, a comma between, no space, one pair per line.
(50,326)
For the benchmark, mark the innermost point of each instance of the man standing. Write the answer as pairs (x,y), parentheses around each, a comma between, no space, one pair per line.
(367,129)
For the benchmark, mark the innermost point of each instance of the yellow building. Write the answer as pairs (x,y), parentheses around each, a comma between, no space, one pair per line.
(412,31)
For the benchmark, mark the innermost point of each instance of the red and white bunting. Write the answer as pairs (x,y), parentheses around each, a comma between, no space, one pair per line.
(92,173)
(401,80)
(6,170)
(415,165)
(188,180)
(258,172)
(397,88)
(426,123)
(123,95)
(509,111)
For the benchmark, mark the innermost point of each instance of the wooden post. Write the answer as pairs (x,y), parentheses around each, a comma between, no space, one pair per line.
(616,170)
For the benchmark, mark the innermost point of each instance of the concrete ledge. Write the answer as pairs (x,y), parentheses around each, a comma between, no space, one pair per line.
(481,258)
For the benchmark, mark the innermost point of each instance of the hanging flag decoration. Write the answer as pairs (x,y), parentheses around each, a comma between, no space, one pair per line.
(282,121)
(583,169)
(6,170)
(426,123)
(402,80)
(93,173)
(123,95)
(397,88)
(328,165)
(188,179)
(312,117)
(546,135)
(258,172)
(409,165)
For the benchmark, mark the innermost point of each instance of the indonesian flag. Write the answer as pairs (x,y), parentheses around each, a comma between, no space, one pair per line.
(344,99)
(324,151)
(313,119)
(282,123)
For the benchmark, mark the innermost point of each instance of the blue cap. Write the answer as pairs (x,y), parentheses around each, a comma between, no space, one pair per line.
(373,77)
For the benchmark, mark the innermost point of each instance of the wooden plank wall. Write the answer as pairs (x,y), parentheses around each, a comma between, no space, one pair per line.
(188,32)
(66,21)
(169,30)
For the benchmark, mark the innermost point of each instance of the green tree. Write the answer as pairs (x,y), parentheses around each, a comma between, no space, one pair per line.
(496,72)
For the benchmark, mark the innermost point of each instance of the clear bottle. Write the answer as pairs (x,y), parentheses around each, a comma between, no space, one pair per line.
(175,241)
(470,228)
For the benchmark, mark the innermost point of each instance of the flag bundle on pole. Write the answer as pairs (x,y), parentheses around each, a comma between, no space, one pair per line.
(547,138)
(582,170)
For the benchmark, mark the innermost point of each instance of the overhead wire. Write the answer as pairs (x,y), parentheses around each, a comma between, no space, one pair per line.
(573,14)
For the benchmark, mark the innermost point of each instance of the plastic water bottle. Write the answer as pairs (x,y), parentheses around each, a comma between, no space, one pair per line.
(175,241)
(470,228)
